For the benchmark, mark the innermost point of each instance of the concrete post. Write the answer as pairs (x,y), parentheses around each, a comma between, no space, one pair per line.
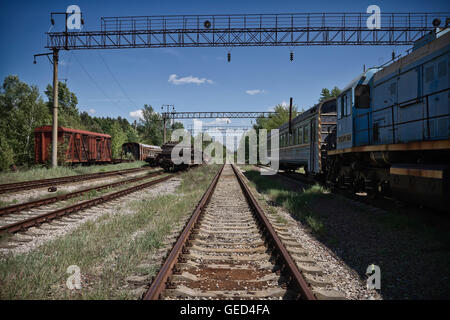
(55,110)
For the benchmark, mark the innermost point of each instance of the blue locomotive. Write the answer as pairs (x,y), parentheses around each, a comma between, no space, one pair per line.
(392,128)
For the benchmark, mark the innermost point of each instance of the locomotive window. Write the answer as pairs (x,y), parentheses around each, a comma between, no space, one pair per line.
(347,105)
(362,96)
(342,107)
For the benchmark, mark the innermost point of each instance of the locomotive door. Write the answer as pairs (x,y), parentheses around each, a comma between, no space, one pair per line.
(312,146)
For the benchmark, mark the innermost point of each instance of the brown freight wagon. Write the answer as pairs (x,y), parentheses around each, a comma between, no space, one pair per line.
(74,146)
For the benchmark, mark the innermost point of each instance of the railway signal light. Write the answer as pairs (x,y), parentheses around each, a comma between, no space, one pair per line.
(436,22)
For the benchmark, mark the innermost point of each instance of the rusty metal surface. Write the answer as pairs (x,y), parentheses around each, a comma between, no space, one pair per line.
(160,280)
(33,184)
(45,201)
(291,267)
(25,224)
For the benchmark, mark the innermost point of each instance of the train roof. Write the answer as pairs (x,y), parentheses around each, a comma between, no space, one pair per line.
(150,146)
(440,44)
(310,112)
(63,129)
(144,145)
(362,78)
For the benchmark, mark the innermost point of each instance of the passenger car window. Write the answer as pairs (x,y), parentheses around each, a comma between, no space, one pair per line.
(306,134)
(300,135)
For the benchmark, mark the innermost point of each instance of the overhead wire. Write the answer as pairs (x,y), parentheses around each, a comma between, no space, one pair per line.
(96,84)
(116,81)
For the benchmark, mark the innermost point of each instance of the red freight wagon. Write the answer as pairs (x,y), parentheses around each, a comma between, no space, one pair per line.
(78,146)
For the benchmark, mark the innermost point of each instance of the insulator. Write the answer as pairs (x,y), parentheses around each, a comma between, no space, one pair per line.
(393,55)
(292,56)
(229,57)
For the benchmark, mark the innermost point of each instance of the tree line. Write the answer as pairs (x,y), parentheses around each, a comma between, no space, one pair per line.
(23,108)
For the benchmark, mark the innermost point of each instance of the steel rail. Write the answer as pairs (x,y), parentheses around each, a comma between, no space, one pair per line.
(31,222)
(40,202)
(270,234)
(33,184)
(159,283)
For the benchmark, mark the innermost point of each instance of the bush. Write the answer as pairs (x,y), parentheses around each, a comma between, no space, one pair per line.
(6,154)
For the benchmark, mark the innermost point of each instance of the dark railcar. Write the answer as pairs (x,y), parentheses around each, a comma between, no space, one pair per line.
(74,146)
(140,151)
(166,162)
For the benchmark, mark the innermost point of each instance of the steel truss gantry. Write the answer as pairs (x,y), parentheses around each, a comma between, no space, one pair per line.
(225,115)
(298,29)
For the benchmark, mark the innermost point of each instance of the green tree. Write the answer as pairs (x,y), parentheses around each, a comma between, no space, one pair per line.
(132,135)
(276,120)
(21,111)
(326,93)
(6,153)
(151,126)
(118,137)
(68,114)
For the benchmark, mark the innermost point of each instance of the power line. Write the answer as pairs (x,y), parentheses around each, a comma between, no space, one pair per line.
(117,82)
(68,65)
(96,84)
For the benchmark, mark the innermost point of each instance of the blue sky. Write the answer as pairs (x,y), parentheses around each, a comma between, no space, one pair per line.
(144,73)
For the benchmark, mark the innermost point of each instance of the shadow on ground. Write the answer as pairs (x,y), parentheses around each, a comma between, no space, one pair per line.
(412,250)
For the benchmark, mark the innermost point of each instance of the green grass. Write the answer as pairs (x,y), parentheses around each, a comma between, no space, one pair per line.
(105,249)
(297,203)
(40,172)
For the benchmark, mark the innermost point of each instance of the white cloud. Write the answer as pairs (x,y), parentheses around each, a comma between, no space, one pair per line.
(173,78)
(253,92)
(91,111)
(284,103)
(136,114)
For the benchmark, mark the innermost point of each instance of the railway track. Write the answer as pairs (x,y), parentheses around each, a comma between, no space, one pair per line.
(229,250)
(38,217)
(49,200)
(34,184)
